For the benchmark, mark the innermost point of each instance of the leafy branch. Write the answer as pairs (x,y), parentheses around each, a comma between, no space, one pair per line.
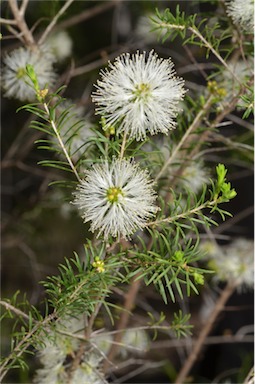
(47,112)
(221,192)
(170,25)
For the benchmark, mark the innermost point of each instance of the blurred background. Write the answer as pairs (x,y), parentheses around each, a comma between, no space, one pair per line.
(38,232)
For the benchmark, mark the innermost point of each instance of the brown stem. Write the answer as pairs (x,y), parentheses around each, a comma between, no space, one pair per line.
(11,308)
(21,23)
(187,134)
(194,354)
(122,324)
(87,14)
(54,21)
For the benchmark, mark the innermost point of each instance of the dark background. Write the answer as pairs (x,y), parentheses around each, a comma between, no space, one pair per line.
(37,234)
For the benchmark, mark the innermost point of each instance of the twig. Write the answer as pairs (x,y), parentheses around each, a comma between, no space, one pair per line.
(250,377)
(8,21)
(23,7)
(15,310)
(54,21)
(205,42)
(23,345)
(219,306)
(61,143)
(87,14)
(191,128)
(128,306)
(21,23)
(171,219)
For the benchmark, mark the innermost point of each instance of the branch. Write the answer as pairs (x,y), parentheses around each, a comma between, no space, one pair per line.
(15,310)
(87,14)
(23,345)
(61,143)
(219,306)
(8,21)
(171,219)
(54,21)
(128,306)
(191,128)
(21,23)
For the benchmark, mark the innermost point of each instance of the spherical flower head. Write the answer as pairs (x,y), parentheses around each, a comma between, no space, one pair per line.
(234,262)
(242,13)
(15,81)
(85,375)
(139,95)
(135,341)
(50,375)
(117,198)
(195,176)
(243,71)
(143,30)
(61,44)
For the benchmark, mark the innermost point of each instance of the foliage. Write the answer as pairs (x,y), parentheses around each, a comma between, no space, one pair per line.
(99,285)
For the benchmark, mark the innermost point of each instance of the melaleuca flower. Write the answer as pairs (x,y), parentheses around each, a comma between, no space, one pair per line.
(59,349)
(194,176)
(143,31)
(139,95)
(232,262)
(15,81)
(242,13)
(60,43)
(88,371)
(135,341)
(243,71)
(117,198)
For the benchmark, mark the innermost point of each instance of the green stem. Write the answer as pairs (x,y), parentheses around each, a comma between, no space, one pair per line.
(61,143)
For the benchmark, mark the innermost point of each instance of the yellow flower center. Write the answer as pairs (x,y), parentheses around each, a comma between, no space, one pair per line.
(113,194)
(21,72)
(141,92)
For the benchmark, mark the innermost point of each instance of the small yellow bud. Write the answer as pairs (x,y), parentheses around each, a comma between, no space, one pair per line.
(99,265)
(42,93)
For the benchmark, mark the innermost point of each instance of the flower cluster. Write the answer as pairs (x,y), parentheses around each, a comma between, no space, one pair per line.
(242,13)
(139,95)
(60,43)
(58,351)
(135,341)
(117,198)
(14,78)
(243,71)
(232,262)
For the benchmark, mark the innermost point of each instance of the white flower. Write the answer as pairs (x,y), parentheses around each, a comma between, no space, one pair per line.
(50,375)
(85,375)
(242,13)
(144,29)
(234,262)
(139,95)
(243,71)
(14,77)
(118,198)
(58,346)
(60,43)
(135,341)
(194,176)
(103,341)
(191,174)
